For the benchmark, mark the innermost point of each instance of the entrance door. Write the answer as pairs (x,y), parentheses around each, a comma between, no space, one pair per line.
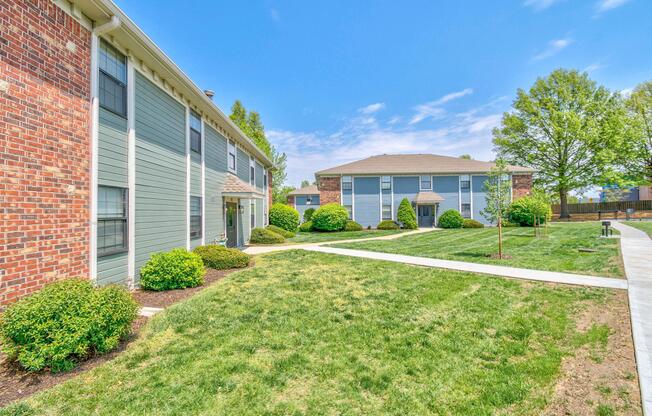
(426,215)
(231,224)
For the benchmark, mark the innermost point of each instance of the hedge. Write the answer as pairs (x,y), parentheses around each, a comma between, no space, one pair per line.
(279,230)
(176,269)
(387,225)
(352,226)
(221,258)
(469,223)
(451,219)
(306,227)
(307,214)
(264,236)
(524,210)
(406,215)
(330,217)
(284,216)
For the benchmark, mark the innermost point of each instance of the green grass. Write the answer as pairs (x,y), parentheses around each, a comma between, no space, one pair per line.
(320,237)
(641,225)
(556,252)
(311,333)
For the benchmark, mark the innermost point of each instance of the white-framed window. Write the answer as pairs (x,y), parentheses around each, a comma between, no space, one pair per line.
(231,157)
(347,183)
(465,183)
(112,79)
(309,200)
(387,212)
(466,210)
(195,217)
(426,183)
(264,179)
(386,183)
(252,215)
(349,209)
(195,132)
(112,226)
(252,172)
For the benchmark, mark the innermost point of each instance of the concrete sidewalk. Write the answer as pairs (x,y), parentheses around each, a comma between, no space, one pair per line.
(637,255)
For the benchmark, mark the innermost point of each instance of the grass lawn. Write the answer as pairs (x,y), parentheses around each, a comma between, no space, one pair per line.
(641,225)
(320,237)
(557,252)
(311,333)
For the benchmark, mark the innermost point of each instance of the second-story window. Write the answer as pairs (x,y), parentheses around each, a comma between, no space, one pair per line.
(195,132)
(231,156)
(112,80)
(347,183)
(465,183)
(426,183)
(252,172)
(386,183)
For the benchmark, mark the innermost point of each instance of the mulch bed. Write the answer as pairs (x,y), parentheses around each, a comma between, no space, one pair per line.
(16,383)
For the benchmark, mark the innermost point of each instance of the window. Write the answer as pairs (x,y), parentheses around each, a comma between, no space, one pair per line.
(426,183)
(111,220)
(349,209)
(387,212)
(195,217)
(265,180)
(231,156)
(466,210)
(252,172)
(386,183)
(252,208)
(465,183)
(113,80)
(347,183)
(195,132)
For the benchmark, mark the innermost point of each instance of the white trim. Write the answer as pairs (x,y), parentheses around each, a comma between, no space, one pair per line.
(235,157)
(95,121)
(203,183)
(131,173)
(391,184)
(188,162)
(252,165)
(470,194)
(352,197)
(425,189)
(459,193)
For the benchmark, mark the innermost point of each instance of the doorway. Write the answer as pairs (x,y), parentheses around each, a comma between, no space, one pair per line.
(231,224)
(426,215)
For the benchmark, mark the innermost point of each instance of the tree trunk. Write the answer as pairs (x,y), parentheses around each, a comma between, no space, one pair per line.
(563,204)
(500,238)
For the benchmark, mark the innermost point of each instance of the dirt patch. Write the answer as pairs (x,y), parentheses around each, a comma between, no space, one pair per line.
(16,383)
(597,379)
(495,256)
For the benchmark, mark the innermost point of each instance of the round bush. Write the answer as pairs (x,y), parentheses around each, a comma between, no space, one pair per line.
(65,322)
(284,216)
(330,217)
(387,225)
(469,223)
(306,227)
(406,215)
(307,214)
(220,257)
(263,236)
(279,230)
(524,210)
(352,226)
(176,269)
(451,219)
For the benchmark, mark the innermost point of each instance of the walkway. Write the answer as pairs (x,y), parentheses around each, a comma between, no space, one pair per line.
(637,256)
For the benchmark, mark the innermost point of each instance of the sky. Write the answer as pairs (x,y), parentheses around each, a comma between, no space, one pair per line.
(338,81)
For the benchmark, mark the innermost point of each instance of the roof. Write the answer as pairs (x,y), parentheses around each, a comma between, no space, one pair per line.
(236,187)
(415,164)
(306,190)
(428,197)
(148,57)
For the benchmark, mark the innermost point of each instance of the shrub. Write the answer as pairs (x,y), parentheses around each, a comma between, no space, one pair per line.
(279,230)
(507,223)
(387,225)
(176,269)
(263,236)
(65,322)
(406,215)
(284,216)
(469,223)
(352,226)
(451,219)
(524,210)
(220,257)
(330,217)
(306,227)
(307,214)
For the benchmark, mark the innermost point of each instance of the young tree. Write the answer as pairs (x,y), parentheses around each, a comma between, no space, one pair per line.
(498,197)
(568,129)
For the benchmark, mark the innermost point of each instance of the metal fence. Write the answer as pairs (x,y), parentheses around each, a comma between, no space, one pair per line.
(595,207)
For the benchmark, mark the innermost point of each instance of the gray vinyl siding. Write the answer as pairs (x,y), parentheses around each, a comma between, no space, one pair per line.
(404,187)
(259,177)
(347,197)
(215,161)
(195,174)
(242,165)
(367,200)
(260,221)
(112,171)
(160,172)
(243,173)
(301,204)
(479,197)
(448,187)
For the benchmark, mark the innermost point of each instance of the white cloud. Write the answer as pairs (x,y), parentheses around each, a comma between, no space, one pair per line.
(554,47)
(627,92)
(594,67)
(432,109)
(540,4)
(606,5)
(372,108)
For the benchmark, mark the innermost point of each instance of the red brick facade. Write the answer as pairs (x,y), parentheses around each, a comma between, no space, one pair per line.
(291,200)
(44,146)
(329,190)
(521,185)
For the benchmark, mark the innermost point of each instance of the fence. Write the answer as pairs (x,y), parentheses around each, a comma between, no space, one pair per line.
(595,207)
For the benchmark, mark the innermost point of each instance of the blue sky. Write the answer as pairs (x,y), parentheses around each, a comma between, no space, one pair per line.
(338,81)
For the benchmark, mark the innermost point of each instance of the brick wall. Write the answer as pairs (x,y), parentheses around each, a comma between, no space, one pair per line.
(291,200)
(521,185)
(329,190)
(44,146)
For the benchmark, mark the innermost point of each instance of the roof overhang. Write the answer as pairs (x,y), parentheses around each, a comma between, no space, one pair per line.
(424,198)
(244,195)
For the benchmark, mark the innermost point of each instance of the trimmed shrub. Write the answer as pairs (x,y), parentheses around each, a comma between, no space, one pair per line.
(65,322)
(352,226)
(330,217)
(284,216)
(264,236)
(469,223)
(176,269)
(220,257)
(307,214)
(306,227)
(279,230)
(406,215)
(451,219)
(524,210)
(387,225)
(507,223)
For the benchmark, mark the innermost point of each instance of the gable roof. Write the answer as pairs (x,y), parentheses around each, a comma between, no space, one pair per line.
(306,190)
(415,164)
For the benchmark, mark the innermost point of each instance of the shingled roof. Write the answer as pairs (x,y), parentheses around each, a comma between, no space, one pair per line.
(236,187)
(415,164)
(306,190)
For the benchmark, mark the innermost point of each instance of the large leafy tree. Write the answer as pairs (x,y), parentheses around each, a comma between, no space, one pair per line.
(279,191)
(639,104)
(566,127)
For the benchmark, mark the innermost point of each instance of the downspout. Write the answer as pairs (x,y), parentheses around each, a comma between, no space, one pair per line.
(102,29)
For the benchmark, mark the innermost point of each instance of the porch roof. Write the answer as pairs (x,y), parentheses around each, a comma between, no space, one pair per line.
(428,197)
(237,188)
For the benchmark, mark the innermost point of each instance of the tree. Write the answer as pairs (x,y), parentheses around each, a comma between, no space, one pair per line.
(568,129)
(305,183)
(279,192)
(466,156)
(639,104)
(406,215)
(239,116)
(498,196)
(251,125)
